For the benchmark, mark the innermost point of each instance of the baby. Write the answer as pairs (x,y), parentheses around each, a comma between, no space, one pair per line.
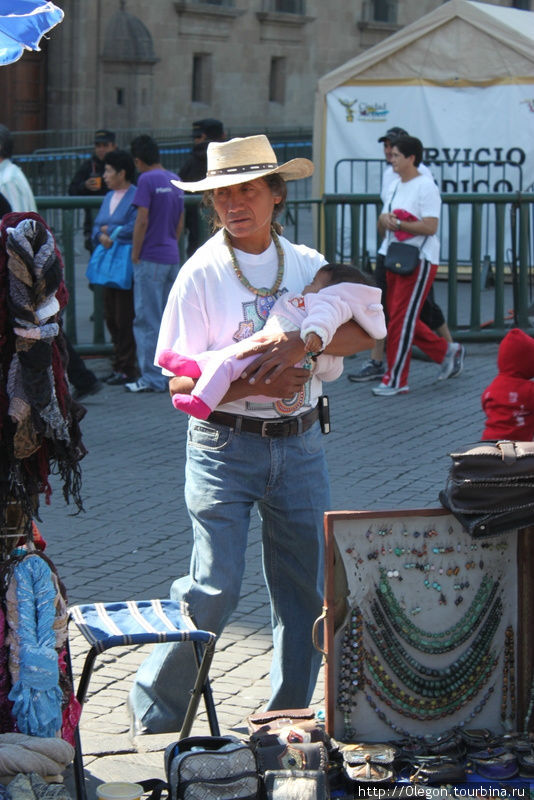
(338,293)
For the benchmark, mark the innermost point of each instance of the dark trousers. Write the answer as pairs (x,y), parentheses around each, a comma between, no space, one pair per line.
(119,316)
(192,223)
(79,375)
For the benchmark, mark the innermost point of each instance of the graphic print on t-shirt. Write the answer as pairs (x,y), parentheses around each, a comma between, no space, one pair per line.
(255,313)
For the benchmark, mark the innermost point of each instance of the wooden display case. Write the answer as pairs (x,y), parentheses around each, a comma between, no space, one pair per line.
(419,582)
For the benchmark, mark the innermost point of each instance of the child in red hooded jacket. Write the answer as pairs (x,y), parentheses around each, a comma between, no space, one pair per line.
(508,401)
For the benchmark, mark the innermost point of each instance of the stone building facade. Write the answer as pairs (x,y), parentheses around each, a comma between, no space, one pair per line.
(252,63)
(158,65)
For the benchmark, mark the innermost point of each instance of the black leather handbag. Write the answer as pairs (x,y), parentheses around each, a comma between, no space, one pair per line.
(490,487)
(402,258)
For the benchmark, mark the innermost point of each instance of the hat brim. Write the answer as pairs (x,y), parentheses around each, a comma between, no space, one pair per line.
(292,170)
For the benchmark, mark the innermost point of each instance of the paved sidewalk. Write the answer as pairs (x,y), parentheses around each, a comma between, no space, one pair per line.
(134,537)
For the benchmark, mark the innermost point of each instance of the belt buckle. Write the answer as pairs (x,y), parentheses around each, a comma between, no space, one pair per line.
(264,425)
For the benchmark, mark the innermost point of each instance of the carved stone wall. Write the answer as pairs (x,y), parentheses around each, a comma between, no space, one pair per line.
(235,40)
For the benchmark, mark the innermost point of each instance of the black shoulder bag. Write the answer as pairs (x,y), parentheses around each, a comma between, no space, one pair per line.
(402,258)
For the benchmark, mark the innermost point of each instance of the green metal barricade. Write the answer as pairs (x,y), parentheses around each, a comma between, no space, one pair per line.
(64,215)
(344,228)
(495,231)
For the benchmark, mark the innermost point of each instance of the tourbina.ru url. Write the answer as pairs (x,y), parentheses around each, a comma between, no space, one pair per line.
(438,792)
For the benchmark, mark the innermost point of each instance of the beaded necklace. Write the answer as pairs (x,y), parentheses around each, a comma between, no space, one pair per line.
(508,680)
(448,688)
(528,715)
(413,673)
(438,691)
(422,708)
(399,730)
(263,291)
(468,674)
(441,641)
(351,670)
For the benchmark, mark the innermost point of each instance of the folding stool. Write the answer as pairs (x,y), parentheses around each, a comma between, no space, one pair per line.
(134,622)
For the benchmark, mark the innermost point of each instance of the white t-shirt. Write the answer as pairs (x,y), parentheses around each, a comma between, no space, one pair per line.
(420,196)
(15,187)
(209,308)
(388,176)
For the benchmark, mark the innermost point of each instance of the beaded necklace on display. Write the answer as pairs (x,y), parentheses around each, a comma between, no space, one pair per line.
(399,730)
(508,680)
(263,291)
(422,708)
(351,670)
(438,691)
(451,692)
(441,641)
(453,695)
(412,672)
(530,709)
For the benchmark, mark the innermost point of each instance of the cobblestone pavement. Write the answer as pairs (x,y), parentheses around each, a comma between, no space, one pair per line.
(134,537)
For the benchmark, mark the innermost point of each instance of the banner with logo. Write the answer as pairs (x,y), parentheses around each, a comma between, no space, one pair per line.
(475,140)
(491,126)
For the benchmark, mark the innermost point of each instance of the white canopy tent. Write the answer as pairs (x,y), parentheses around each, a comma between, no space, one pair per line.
(461,78)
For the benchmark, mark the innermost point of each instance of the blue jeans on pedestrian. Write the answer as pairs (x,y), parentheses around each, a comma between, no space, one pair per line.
(226,473)
(152,284)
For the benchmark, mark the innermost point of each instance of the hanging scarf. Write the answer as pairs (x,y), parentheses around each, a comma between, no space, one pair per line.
(6,718)
(39,422)
(35,694)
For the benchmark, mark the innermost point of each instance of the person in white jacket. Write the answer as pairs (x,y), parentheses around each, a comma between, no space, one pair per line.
(13,183)
(338,293)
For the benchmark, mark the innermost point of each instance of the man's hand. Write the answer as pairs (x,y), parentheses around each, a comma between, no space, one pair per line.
(276,352)
(283,384)
(288,383)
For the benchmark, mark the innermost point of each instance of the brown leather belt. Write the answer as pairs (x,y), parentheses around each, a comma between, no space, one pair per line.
(266,427)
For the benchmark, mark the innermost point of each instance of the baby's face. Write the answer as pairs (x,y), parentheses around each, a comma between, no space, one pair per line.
(320,280)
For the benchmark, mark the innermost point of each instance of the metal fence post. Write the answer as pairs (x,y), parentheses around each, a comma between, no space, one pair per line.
(500,217)
(452,287)
(67,230)
(524,236)
(476,251)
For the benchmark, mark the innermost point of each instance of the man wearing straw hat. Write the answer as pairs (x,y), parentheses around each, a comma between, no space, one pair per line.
(255,447)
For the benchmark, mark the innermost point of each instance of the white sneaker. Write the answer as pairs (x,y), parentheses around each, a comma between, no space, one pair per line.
(382,390)
(458,361)
(453,362)
(138,386)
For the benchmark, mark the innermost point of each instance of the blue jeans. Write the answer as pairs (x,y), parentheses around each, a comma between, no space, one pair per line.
(152,284)
(226,473)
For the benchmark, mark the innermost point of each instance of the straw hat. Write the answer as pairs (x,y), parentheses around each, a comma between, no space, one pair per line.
(242,160)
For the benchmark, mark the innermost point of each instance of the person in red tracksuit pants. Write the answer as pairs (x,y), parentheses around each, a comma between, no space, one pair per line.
(411,213)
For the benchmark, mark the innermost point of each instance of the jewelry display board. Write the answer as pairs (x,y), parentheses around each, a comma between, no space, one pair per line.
(426,628)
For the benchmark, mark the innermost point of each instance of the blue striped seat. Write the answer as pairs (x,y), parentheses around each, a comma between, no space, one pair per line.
(106,625)
(135,622)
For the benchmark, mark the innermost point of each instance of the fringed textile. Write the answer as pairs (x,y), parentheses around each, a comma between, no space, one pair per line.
(39,422)
(36,695)
(7,723)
